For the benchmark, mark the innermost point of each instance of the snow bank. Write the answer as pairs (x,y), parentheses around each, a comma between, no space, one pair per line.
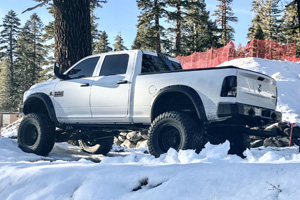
(212,174)
(286,74)
(11,130)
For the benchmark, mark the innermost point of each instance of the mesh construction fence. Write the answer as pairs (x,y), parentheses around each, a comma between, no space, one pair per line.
(267,49)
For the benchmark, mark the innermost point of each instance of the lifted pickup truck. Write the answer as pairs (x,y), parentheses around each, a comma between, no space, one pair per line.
(104,94)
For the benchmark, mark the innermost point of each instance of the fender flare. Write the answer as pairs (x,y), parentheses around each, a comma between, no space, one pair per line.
(46,101)
(189,92)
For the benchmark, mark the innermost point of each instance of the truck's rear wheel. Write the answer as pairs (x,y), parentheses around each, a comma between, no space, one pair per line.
(101,146)
(36,134)
(174,130)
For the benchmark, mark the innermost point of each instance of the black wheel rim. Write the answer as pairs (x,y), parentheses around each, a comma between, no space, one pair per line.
(31,135)
(169,137)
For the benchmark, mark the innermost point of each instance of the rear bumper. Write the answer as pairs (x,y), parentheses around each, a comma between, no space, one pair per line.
(247,114)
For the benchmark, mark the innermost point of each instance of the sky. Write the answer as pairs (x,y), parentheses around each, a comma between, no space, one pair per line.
(121,16)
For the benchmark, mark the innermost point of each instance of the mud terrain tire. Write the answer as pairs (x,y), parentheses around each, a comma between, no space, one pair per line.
(174,130)
(36,134)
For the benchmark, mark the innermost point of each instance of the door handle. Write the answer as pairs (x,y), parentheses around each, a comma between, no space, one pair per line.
(122,82)
(84,85)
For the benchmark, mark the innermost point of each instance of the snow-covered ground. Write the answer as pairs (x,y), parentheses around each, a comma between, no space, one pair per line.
(69,173)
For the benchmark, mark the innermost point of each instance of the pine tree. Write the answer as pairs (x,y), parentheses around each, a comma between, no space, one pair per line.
(30,52)
(150,31)
(199,30)
(177,17)
(119,44)
(224,15)
(8,44)
(5,96)
(270,16)
(102,46)
(255,31)
(72,29)
(36,26)
(48,40)
(291,34)
(25,55)
(96,34)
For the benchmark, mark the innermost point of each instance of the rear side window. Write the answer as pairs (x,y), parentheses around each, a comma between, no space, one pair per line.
(158,64)
(83,69)
(114,64)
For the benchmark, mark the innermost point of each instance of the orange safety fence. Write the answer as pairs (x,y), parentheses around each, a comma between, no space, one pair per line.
(267,49)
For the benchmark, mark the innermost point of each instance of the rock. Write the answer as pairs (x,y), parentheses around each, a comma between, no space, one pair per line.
(133,136)
(144,135)
(117,141)
(122,138)
(123,133)
(257,143)
(282,126)
(128,144)
(276,142)
(141,144)
(273,129)
(296,132)
(286,132)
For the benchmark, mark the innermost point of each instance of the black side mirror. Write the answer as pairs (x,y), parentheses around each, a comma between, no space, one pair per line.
(57,72)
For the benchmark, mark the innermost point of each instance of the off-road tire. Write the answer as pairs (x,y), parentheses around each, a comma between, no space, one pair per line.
(36,134)
(174,130)
(102,146)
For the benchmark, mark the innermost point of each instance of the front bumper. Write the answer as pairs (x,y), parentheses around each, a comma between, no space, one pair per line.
(248,114)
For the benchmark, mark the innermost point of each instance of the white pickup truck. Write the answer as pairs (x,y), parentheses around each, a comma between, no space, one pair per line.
(104,94)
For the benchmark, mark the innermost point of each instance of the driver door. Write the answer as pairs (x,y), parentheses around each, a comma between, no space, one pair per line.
(72,96)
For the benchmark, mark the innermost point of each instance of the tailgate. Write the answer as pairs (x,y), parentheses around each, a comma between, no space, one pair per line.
(256,89)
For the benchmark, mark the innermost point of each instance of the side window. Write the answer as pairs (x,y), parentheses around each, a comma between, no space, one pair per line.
(158,64)
(83,69)
(114,64)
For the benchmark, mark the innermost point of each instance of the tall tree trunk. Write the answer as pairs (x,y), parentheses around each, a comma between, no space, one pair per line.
(34,55)
(72,28)
(11,60)
(224,22)
(156,8)
(178,30)
(298,9)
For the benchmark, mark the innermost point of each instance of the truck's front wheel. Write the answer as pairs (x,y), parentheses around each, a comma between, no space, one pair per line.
(36,134)
(101,146)
(174,130)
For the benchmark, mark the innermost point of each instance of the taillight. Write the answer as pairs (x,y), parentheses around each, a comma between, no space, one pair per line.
(229,87)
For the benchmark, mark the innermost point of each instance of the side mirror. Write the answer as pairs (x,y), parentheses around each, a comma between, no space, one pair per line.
(57,72)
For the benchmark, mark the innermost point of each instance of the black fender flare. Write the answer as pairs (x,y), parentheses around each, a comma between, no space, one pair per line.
(46,101)
(189,92)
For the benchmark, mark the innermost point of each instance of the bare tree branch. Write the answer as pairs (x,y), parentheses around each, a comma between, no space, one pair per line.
(39,5)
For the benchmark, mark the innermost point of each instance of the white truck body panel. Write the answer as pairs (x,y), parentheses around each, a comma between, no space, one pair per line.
(148,86)
(252,91)
(110,100)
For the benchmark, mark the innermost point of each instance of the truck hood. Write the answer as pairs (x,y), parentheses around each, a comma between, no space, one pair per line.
(45,83)
(44,87)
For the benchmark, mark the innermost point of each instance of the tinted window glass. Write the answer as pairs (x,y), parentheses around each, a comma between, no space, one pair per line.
(158,64)
(114,64)
(83,69)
